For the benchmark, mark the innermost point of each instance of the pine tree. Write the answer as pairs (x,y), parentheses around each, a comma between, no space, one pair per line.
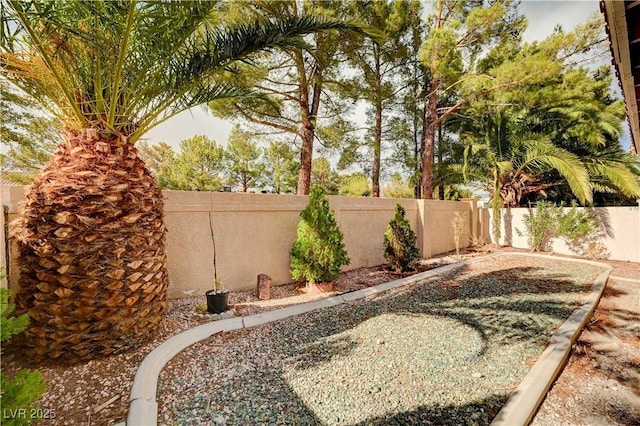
(400,242)
(318,253)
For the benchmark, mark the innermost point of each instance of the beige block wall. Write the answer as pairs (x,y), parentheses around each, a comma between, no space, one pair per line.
(10,198)
(254,233)
(621,235)
(436,231)
(3,247)
(364,222)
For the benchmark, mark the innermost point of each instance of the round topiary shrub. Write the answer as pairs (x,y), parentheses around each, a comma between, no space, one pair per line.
(318,252)
(400,242)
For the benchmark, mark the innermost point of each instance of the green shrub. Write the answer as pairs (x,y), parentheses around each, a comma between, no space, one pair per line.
(10,326)
(20,392)
(576,224)
(400,242)
(540,225)
(318,252)
(582,232)
(579,228)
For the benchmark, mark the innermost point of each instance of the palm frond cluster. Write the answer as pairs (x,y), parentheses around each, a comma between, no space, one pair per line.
(91,234)
(531,155)
(126,66)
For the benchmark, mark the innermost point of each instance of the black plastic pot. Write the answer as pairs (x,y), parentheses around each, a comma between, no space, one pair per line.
(217,303)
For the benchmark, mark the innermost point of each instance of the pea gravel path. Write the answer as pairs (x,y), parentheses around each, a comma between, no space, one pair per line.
(447,350)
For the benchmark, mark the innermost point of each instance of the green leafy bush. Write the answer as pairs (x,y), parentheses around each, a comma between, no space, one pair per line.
(579,228)
(400,248)
(20,392)
(10,326)
(540,225)
(576,224)
(318,252)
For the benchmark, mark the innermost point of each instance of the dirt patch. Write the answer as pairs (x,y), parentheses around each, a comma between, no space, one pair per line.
(601,383)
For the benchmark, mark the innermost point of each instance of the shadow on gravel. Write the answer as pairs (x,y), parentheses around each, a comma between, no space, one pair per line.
(611,342)
(623,413)
(518,305)
(476,413)
(502,307)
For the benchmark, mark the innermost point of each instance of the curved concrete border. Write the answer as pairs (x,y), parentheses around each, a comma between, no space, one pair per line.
(532,390)
(143,407)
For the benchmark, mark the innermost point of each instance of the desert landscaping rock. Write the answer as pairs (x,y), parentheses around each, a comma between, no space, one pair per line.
(74,390)
(454,348)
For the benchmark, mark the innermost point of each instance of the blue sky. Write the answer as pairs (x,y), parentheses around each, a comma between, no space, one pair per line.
(543,17)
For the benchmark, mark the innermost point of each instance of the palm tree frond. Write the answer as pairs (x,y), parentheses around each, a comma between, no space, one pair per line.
(616,176)
(542,157)
(119,65)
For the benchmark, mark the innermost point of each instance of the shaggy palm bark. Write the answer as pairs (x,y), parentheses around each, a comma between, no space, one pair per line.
(92,245)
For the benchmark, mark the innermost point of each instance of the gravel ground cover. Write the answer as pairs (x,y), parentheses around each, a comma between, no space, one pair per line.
(447,350)
(95,393)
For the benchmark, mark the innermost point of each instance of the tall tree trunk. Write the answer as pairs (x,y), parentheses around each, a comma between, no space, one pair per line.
(377,138)
(428,140)
(417,152)
(245,184)
(440,153)
(430,119)
(375,174)
(92,251)
(309,114)
(304,174)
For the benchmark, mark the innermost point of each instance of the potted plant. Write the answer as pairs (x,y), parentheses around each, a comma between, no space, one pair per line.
(218,297)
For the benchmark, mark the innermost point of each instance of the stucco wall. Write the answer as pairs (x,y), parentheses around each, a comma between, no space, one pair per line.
(254,233)
(620,231)
(10,197)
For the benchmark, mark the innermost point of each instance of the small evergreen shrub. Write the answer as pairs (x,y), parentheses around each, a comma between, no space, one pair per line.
(20,392)
(318,252)
(400,248)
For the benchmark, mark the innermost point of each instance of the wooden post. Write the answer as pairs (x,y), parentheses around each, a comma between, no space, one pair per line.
(263,288)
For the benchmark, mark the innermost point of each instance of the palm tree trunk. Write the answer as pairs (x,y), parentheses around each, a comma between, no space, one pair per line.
(92,251)
(440,154)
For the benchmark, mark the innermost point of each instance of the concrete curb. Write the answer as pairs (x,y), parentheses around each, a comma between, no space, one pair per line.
(143,407)
(528,396)
(631,280)
(519,409)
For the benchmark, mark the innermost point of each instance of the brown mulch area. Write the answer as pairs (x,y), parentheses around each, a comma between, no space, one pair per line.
(96,392)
